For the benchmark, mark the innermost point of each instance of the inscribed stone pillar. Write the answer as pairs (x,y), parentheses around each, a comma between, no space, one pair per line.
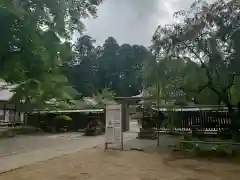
(7,116)
(125,117)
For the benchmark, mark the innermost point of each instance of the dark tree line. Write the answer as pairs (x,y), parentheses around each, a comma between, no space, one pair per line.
(113,66)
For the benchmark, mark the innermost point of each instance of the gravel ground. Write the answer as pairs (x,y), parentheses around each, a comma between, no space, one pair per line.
(20,144)
(26,150)
(96,164)
(25,144)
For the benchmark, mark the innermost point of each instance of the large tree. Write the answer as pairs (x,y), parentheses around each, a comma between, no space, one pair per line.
(34,43)
(208,35)
(112,66)
(82,70)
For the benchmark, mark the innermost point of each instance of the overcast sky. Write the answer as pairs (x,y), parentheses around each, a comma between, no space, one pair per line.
(132,21)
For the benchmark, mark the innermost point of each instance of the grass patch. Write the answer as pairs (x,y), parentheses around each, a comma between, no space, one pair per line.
(210,148)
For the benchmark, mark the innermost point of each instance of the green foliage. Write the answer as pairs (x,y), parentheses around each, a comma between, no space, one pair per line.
(113,66)
(206,41)
(171,75)
(211,150)
(63,118)
(170,121)
(193,61)
(104,97)
(34,45)
(169,124)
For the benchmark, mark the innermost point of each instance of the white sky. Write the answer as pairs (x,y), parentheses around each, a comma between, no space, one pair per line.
(132,21)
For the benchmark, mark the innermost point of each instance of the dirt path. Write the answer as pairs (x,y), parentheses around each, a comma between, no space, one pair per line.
(26,150)
(96,164)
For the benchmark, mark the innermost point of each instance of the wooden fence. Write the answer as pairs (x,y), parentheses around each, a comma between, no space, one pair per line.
(206,121)
(211,121)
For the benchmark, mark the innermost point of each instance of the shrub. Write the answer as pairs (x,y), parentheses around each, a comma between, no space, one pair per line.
(64,118)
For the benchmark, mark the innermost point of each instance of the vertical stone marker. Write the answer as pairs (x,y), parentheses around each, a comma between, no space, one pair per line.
(114,133)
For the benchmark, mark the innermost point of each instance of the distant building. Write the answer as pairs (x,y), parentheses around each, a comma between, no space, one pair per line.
(8,112)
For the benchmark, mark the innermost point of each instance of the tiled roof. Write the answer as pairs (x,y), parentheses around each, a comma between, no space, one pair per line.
(6,91)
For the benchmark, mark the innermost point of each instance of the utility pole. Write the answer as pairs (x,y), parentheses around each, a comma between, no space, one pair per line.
(158,98)
(158,114)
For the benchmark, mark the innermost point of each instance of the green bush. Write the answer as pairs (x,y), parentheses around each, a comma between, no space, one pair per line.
(169,123)
(204,150)
(64,118)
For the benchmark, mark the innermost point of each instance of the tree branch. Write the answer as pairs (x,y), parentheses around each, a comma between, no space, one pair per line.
(202,63)
(200,89)
(222,95)
(231,81)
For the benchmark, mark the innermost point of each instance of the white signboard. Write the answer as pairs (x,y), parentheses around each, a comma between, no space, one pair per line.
(114,124)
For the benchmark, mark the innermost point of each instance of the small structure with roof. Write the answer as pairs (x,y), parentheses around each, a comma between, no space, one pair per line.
(9,115)
(45,119)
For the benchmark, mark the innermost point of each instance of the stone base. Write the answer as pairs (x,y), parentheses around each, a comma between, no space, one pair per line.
(147,134)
